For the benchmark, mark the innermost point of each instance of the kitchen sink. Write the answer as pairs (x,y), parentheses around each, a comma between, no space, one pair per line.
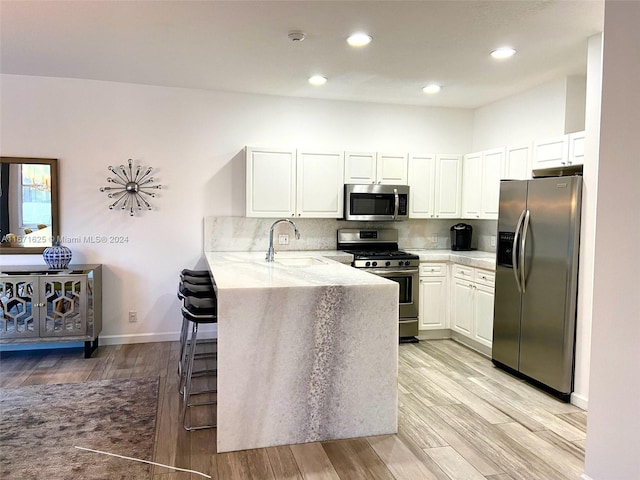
(301,261)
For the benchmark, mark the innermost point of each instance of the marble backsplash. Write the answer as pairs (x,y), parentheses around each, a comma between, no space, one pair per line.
(241,234)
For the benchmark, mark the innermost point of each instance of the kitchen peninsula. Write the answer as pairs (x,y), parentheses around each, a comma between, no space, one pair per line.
(307,350)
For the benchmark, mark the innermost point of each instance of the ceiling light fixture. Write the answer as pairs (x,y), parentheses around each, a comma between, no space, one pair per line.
(503,52)
(317,80)
(432,88)
(296,36)
(359,39)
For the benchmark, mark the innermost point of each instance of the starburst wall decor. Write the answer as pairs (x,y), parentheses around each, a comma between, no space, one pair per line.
(130,189)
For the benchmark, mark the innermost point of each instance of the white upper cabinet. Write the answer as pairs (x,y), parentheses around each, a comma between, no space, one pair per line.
(576,148)
(380,168)
(391,168)
(290,183)
(360,167)
(422,178)
(481,176)
(550,152)
(448,186)
(517,162)
(472,185)
(320,184)
(492,164)
(559,151)
(271,182)
(435,182)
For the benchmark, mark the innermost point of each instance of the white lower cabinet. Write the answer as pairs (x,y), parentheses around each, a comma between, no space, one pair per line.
(472,303)
(483,314)
(434,290)
(462,300)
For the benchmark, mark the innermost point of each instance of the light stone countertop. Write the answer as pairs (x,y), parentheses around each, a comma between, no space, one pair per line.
(250,270)
(247,270)
(473,258)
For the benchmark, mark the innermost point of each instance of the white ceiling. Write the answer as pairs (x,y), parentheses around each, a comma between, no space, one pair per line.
(243,46)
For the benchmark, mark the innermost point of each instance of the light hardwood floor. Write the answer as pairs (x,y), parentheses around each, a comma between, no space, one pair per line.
(459,418)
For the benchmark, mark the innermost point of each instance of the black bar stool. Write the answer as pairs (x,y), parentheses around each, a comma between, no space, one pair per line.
(186,289)
(196,311)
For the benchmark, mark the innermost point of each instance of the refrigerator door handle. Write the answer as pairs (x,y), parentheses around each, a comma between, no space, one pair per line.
(514,252)
(523,244)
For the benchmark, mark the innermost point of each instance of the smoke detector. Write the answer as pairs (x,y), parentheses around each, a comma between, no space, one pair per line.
(296,36)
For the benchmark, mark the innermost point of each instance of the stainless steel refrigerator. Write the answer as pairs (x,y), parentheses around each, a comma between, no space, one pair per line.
(537,280)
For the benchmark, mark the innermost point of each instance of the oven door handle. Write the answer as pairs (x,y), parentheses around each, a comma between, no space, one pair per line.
(384,272)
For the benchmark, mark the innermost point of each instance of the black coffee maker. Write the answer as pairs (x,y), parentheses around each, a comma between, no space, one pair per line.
(461,234)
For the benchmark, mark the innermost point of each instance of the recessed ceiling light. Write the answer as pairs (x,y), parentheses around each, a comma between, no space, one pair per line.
(503,52)
(432,88)
(359,39)
(317,80)
(296,36)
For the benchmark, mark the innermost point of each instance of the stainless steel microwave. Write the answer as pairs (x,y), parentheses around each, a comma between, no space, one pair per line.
(379,203)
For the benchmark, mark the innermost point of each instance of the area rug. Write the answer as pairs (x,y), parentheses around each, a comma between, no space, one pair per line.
(41,425)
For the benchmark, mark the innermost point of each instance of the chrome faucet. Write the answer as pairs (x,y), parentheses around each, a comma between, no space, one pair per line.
(270,251)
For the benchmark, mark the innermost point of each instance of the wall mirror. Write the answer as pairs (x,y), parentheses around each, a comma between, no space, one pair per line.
(28,204)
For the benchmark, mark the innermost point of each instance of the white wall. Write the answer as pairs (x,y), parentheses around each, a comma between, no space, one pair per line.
(519,119)
(194,140)
(588,221)
(613,443)
(575,108)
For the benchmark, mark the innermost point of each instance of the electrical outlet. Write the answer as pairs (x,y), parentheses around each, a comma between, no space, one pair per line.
(434,239)
(493,240)
(283,239)
(133,316)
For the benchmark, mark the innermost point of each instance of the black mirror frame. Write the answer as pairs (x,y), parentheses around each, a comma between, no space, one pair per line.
(55,233)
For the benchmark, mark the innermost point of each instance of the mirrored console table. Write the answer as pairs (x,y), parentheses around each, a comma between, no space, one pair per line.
(40,305)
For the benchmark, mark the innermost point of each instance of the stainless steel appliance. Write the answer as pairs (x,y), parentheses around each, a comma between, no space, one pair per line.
(379,203)
(536,280)
(461,234)
(376,251)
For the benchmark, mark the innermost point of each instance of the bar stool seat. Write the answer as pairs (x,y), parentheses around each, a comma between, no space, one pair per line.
(196,280)
(195,273)
(196,311)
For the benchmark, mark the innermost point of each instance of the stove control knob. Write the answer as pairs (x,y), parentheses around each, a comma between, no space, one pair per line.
(387,264)
(367,264)
(374,264)
(402,263)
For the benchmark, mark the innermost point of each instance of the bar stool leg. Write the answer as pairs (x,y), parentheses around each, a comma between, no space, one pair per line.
(187,387)
(184,332)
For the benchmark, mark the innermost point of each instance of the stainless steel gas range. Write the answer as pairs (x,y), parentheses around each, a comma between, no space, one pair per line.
(376,251)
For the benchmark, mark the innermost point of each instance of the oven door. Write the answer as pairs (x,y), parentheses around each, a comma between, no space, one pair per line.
(407,279)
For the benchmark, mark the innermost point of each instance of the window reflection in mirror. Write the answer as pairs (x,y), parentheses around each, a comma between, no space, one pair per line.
(28,204)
